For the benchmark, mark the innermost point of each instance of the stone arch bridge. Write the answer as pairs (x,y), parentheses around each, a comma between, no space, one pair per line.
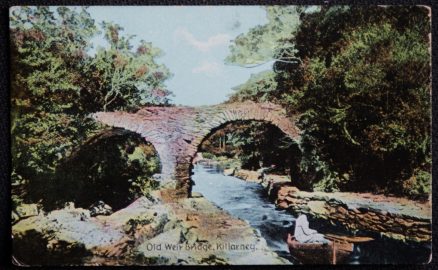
(177,132)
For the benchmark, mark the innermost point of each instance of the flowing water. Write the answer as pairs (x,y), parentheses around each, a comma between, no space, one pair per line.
(248,201)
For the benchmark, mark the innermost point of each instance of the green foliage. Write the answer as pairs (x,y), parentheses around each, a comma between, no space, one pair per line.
(208,155)
(257,88)
(116,168)
(147,163)
(419,185)
(123,79)
(266,42)
(251,143)
(372,120)
(361,88)
(56,84)
(47,54)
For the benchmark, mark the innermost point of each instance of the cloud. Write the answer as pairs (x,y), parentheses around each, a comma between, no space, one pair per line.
(208,68)
(203,46)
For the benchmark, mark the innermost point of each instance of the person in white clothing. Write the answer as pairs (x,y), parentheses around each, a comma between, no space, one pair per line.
(304,234)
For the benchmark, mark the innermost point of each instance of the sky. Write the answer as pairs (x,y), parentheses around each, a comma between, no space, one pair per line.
(195,42)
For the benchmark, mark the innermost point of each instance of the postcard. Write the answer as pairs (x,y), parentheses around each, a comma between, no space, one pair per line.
(221,135)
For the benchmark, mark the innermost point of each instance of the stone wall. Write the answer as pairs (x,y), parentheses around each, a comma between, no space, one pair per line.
(396,218)
(393,217)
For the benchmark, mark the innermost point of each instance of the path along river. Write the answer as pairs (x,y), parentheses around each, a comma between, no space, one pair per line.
(248,201)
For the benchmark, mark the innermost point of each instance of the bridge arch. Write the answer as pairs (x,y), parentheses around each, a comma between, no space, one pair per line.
(231,126)
(177,132)
(112,158)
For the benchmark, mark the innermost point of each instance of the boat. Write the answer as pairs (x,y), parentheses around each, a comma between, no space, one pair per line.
(336,251)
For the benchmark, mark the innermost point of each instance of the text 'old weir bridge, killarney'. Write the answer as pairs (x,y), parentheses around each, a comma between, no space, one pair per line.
(177,132)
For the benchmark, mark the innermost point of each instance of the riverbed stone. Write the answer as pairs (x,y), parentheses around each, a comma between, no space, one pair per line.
(197,195)
(249,176)
(27,210)
(229,172)
(131,236)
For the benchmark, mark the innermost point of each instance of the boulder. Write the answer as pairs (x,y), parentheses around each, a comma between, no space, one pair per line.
(65,235)
(250,176)
(27,210)
(230,171)
(100,208)
(197,195)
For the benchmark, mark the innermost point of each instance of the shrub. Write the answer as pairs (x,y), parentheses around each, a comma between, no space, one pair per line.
(418,185)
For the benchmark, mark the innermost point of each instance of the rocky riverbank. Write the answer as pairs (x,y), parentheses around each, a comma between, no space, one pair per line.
(148,232)
(396,218)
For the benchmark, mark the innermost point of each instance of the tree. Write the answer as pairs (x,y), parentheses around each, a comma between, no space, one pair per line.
(122,78)
(251,143)
(259,87)
(366,104)
(56,84)
(267,42)
(48,51)
(114,166)
(361,88)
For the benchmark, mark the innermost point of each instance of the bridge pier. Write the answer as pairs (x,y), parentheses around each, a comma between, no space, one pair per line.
(177,132)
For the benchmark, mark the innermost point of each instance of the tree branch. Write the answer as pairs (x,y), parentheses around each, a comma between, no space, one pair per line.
(297,60)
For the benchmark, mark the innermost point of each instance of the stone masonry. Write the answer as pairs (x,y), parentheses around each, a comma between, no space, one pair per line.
(393,217)
(176,132)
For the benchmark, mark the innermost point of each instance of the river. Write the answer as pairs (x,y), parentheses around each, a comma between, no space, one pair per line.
(248,201)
